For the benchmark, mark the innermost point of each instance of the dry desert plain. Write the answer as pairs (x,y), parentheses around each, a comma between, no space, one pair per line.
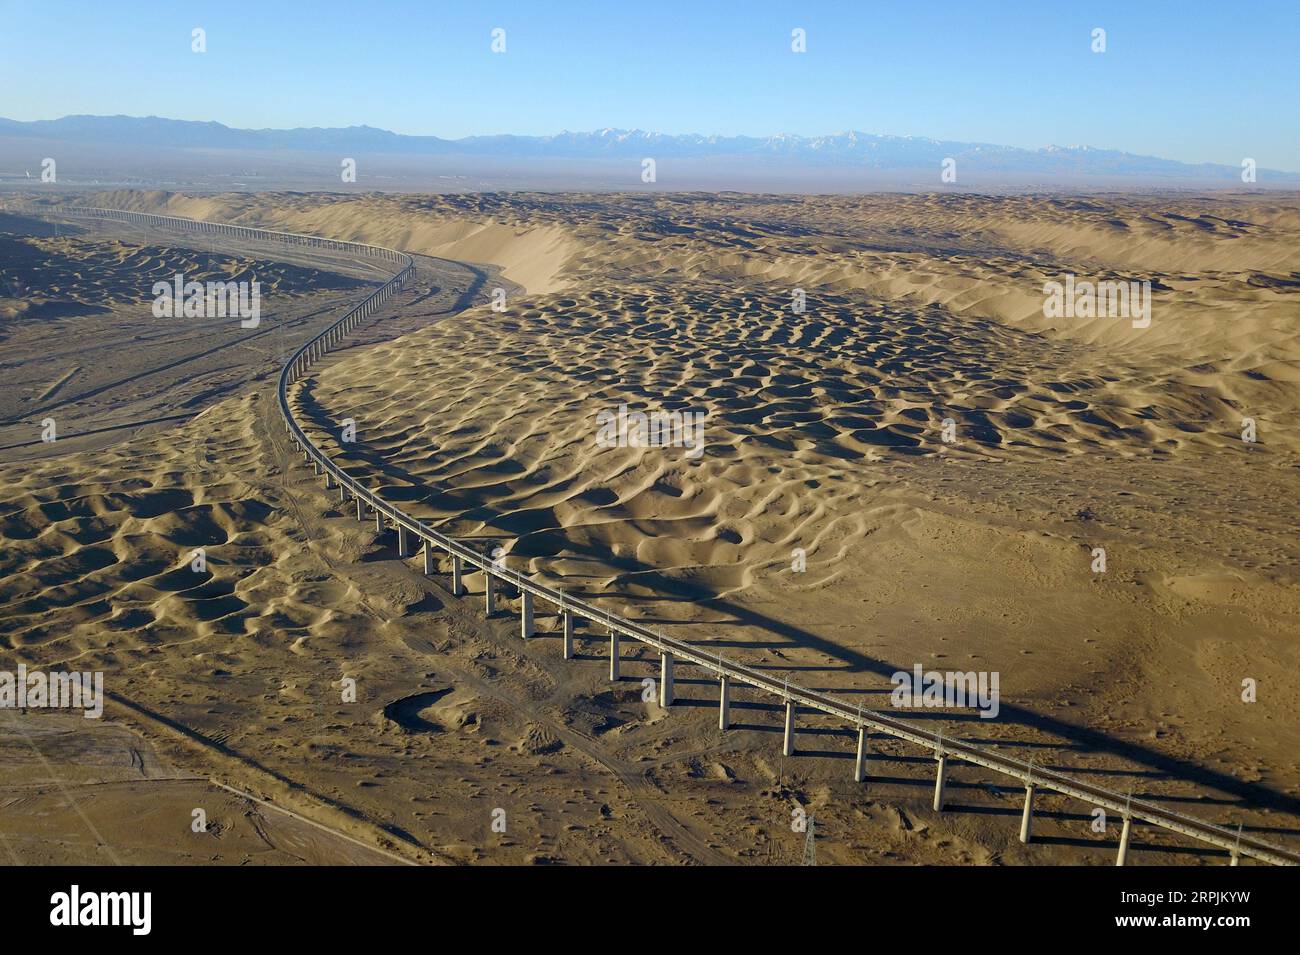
(827,532)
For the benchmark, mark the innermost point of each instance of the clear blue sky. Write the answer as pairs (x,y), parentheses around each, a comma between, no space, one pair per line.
(1191,80)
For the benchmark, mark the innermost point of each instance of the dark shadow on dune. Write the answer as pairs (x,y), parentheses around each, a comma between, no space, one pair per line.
(407,711)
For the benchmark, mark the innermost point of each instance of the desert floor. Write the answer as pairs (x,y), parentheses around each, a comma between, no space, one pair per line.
(823,440)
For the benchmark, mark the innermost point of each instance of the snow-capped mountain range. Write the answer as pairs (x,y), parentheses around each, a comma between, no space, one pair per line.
(848,149)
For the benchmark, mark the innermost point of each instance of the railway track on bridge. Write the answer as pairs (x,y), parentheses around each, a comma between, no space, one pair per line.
(730,674)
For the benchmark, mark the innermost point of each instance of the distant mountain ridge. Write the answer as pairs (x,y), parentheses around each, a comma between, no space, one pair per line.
(847,149)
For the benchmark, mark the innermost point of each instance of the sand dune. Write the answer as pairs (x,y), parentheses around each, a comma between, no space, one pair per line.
(824,434)
(1223,269)
(530,256)
(823,437)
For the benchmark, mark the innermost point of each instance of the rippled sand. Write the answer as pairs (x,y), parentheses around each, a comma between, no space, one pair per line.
(823,443)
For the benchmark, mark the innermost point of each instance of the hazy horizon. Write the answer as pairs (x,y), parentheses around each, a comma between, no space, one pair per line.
(158,152)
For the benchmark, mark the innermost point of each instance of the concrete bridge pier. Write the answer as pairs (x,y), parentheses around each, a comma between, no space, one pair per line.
(859,762)
(343,494)
(379,521)
(428,558)
(566,625)
(315,468)
(787,745)
(489,594)
(402,549)
(665,680)
(940,780)
(456,587)
(329,481)
(724,702)
(361,510)
(1123,841)
(613,656)
(1027,817)
(526,629)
